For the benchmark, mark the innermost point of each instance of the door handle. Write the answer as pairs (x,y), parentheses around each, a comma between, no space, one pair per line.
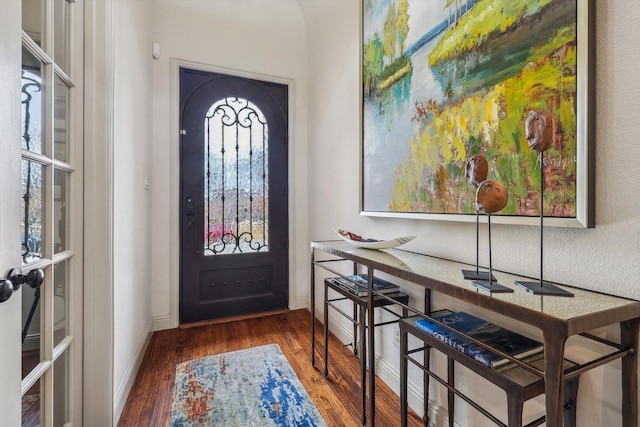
(15,279)
(6,290)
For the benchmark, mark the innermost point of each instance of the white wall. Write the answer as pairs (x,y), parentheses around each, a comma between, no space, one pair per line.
(258,38)
(605,258)
(132,147)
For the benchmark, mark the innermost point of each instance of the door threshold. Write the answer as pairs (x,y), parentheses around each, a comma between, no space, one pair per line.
(232,319)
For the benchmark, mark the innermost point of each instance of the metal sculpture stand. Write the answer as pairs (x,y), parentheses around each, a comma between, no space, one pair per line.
(477,274)
(541,287)
(490,285)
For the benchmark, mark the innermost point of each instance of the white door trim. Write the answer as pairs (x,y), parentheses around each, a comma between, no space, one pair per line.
(98,235)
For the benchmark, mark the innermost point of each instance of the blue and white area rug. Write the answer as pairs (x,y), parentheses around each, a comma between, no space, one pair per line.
(252,387)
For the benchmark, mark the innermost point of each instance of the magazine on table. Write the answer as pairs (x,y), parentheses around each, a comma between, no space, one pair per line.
(359,288)
(504,340)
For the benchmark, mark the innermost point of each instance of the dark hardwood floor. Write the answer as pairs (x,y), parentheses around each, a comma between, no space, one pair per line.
(337,397)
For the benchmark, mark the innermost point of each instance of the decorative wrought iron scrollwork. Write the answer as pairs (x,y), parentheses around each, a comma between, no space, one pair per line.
(30,245)
(236,178)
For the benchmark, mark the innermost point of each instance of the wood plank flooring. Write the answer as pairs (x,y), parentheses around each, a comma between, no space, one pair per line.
(337,397)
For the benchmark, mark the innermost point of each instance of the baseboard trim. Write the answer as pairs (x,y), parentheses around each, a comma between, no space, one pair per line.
(301,303)
(161,323)
(122,392)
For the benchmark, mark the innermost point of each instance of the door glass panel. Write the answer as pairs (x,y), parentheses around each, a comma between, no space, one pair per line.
(60,301)
(30,360)
(236,178)
(31,312)
(31,406)
(61,33)
(33,202)
(32,105)
(60,206)
(60,390)
(60,120)
(32,19)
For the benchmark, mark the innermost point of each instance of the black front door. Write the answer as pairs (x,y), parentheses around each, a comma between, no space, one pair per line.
(233,188)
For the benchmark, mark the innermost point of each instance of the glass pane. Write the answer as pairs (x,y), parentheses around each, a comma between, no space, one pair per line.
(33,202)
(61,390)
(32,102)
(31,406)
(60,210)
(32,19)
(61,33)
(31,311)
(236,178)
(60,301)
(60,120)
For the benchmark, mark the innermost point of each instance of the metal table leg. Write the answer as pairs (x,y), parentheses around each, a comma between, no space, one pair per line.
(363,363)
(404,372)
(356,339)
(451,397)
(313,310)
(554,377)
(326,330)
(629,338)
(371,351)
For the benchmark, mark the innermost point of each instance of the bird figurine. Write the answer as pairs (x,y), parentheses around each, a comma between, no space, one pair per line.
(491,196)
(477,169)
(540,128)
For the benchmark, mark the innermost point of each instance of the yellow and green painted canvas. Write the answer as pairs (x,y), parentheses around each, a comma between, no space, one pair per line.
(446,79)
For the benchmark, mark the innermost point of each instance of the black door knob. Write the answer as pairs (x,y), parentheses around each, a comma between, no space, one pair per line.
(32,279)
(15,279)
(6,290)
(35,278)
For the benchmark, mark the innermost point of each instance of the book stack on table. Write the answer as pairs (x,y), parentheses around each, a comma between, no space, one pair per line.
(357,284)
(503,340)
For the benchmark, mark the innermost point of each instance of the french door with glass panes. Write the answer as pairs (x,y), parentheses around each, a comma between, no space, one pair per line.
(48,214)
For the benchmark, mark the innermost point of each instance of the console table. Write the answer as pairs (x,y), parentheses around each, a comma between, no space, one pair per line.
(558,318)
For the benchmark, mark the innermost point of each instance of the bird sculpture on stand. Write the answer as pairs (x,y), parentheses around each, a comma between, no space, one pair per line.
(540,127)
(491,197)
(476,172)
(477,169)
(540,130)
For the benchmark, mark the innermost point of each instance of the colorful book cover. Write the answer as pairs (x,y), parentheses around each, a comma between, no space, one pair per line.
(360,287)
(501,339)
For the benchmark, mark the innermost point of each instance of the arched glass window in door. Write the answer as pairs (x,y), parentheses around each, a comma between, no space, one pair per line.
(236,178)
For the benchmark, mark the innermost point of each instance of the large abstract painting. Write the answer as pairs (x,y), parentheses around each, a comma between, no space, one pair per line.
(443,80)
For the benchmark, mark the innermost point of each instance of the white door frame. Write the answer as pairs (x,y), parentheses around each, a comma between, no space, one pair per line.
(98,234)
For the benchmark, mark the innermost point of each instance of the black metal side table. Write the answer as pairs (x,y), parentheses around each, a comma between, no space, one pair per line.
(359,320)
(519,384)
